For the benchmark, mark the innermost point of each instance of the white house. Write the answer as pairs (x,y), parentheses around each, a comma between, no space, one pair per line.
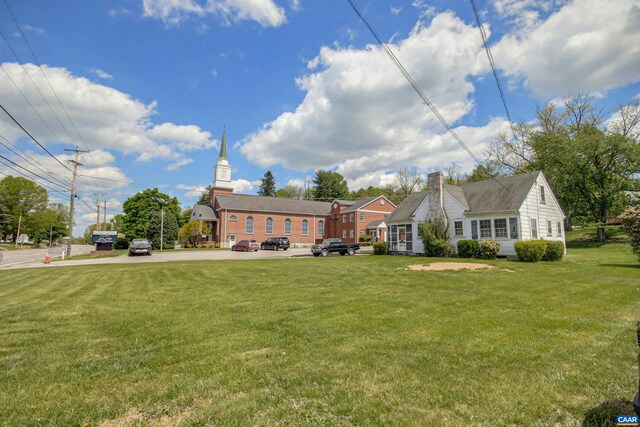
(519,207)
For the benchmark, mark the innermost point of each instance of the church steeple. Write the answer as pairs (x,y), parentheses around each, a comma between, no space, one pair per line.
(222,170)
(223,145)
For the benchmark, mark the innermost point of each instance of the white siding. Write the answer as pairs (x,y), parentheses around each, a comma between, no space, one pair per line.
(455,212)
(549,211)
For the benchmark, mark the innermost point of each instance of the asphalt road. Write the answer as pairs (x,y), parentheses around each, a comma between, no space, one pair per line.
(175,255)
(17,257)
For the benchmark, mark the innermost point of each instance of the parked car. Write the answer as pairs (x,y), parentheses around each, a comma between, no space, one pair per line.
(139,246)
(334,245)
(245,246)
(276,243)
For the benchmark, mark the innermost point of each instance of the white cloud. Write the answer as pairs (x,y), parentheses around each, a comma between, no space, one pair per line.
(296,182)
(214,73)
(361,118)
(173,12)
(295,5)
(32,29)
(106,118)
(586,46)
(102,74)
(179,163)
(396,10)
(118,12)
(241,185)
(192,191)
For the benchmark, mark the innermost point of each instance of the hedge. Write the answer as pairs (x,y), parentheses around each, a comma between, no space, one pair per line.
(489,249)
(380,248)
(531,250)
(554,252)
(468,248)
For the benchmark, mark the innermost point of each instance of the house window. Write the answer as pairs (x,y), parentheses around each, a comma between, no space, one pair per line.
(232,218)
(248,227)
(362,217)
(351,234)
(474,229)
(351,217)
(485,228)
(305,227)
(457,226)
(321,228)
(534,228)
(559,228)
(287,226)
(549,228)
(268,227)
(500,227)
(362,232)
(513,228)
(542,198)
(344,218)
(344,234)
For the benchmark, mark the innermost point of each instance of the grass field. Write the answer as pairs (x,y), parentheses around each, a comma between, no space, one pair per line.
(330,341)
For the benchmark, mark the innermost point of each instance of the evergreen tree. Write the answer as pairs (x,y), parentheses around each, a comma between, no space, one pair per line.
(204,197)
(267,185)
(329,186)
(169,233)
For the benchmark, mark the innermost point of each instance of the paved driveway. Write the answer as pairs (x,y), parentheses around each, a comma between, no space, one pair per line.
(36,256)
(177,255)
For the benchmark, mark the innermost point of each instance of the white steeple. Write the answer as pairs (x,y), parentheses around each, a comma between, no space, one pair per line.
(222,170)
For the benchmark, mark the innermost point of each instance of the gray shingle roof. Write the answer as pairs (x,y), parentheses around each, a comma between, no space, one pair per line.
(375,224)
(204,213)
(406,209)
(500,194)
(245,202)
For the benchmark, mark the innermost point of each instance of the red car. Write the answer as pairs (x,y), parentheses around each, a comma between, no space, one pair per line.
(245,246)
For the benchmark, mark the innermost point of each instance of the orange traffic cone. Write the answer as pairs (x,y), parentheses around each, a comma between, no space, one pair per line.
(46,258)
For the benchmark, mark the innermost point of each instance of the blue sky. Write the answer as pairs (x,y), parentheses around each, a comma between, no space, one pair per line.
(300,85)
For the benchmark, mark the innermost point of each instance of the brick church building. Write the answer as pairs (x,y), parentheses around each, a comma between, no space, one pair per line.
(234,217)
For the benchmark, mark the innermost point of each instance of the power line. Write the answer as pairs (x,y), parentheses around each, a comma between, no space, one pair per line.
(31,172)
(493,65)
(28,159)
(107,179)
(33,138)
(412,82)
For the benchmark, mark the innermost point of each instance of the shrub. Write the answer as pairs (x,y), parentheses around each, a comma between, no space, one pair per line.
(121,243)
(489,249)
(435,238)
(631,223)
(554,252)
(364,238)
(380,248)
(468,248)
(531,250)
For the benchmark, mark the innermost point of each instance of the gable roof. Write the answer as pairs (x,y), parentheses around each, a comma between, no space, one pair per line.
(408,206)
(204,213)
(245,202)
(496,195)
(357,204)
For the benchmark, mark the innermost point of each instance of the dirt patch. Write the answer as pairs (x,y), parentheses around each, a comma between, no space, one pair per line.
(442,266)
(134,417)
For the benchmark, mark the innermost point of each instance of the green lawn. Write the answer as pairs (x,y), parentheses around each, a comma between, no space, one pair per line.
(321,341)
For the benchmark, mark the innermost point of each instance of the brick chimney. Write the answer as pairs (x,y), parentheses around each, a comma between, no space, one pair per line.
(435,182)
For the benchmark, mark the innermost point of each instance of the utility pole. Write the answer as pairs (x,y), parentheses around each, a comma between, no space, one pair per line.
(18,235)
(105,214)
(161,226)
(73,194)
(98,221)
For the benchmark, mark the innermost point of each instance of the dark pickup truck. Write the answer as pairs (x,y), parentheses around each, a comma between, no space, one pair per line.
(334,245)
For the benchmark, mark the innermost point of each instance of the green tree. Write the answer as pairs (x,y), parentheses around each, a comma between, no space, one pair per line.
(329,185)
(483,172)
(267,185)
(192,231)
(406,182)
(139,208)
(169,232)
(117,222)
(631,222)
(19,196)
(290,192)
(589,165)
(185,216)
(204,197)
(52,221)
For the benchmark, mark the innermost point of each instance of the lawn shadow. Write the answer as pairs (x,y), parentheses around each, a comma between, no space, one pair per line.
(637,266)
(604,415)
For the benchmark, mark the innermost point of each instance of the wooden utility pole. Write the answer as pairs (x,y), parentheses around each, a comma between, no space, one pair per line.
(18,235)
(104,213)
(98,220)
(73,194)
